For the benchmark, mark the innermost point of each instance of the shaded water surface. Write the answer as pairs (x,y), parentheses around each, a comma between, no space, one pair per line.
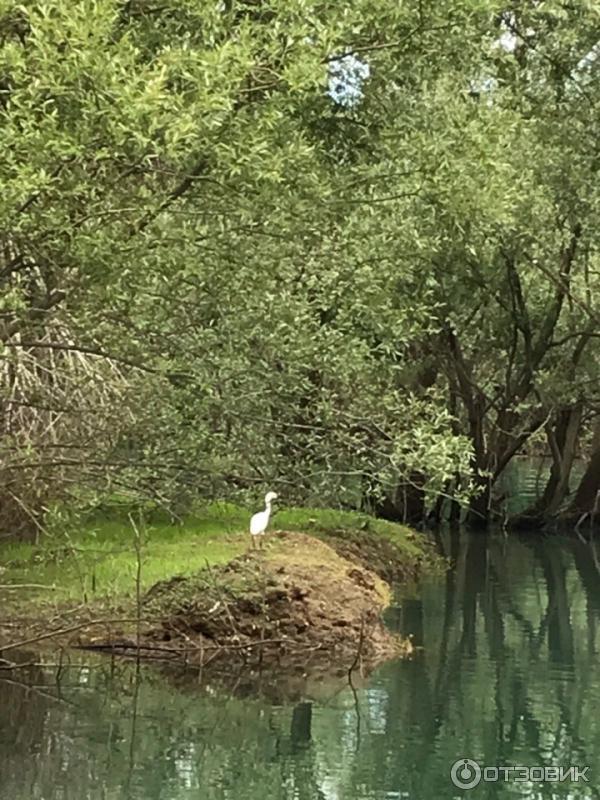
(508,674)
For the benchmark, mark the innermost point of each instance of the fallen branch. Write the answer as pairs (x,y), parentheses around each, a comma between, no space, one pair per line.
(41,693)
(26,586)
(13,665)
(63,631)
(186,650)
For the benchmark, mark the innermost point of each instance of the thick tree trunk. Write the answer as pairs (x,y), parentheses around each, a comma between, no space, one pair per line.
(497,429)
(586,501)
(563,445)
(587,497)
(562,440)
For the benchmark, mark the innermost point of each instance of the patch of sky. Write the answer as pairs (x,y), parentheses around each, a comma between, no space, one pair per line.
(347,75)
(591,58)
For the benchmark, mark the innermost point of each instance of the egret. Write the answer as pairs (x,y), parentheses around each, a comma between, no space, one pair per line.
(259,522)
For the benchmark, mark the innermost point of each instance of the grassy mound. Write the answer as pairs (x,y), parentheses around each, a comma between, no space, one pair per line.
(87,578)
(296,601)
(96,561)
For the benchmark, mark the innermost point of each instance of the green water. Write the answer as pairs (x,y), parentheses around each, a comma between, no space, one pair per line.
(508,675)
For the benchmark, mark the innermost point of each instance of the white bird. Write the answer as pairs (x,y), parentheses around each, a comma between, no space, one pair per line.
(259,522)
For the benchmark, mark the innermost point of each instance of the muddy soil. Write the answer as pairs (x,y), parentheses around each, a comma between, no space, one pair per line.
(297,602)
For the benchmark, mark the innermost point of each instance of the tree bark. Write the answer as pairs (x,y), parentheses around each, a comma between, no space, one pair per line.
(563,445)
(587,496)
(562,437)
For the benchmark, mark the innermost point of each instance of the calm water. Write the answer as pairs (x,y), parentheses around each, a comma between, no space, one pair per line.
(508,675)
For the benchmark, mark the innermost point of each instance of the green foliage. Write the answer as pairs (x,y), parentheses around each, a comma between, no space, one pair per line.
(266,288)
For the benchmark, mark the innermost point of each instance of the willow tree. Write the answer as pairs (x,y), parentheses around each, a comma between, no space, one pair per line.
(145,145)
(337,248)
(505,225)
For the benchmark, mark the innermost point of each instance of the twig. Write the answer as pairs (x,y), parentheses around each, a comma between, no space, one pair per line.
(358,655)
(62,631)
(217,588)
(13,664)
(357,658)
(26,586)
(29,688)
(137,543)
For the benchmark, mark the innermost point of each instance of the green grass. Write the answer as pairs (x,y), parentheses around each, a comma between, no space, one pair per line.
(322,520)
(98,562)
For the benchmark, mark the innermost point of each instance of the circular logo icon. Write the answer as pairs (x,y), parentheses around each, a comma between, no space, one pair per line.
(465,773)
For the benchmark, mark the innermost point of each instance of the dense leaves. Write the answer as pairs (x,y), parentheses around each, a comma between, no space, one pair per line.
(266,283)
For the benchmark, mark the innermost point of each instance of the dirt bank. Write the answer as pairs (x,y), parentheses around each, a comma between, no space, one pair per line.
(383,555)
(298,601)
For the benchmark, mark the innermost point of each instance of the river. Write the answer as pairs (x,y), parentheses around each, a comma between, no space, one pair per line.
(505,673)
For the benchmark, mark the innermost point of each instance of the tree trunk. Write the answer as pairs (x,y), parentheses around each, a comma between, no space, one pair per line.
(587,496)
(480,506)
(562,440)
(563,445)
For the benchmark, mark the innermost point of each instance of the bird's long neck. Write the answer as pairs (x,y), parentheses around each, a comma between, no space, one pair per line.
(268,507)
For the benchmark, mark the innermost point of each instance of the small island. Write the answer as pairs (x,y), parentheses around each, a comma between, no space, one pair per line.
(313,595)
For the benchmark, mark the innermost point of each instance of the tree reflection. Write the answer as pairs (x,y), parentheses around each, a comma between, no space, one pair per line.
(505,671)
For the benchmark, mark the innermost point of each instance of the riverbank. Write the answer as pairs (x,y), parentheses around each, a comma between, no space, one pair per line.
(88,587)
(296,602)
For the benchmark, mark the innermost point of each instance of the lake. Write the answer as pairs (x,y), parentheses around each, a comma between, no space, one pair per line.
(505,673)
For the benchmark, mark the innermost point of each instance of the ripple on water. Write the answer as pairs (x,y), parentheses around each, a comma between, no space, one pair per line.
(505,672)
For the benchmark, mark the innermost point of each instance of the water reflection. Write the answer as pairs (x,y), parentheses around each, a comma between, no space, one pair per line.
(507,674)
